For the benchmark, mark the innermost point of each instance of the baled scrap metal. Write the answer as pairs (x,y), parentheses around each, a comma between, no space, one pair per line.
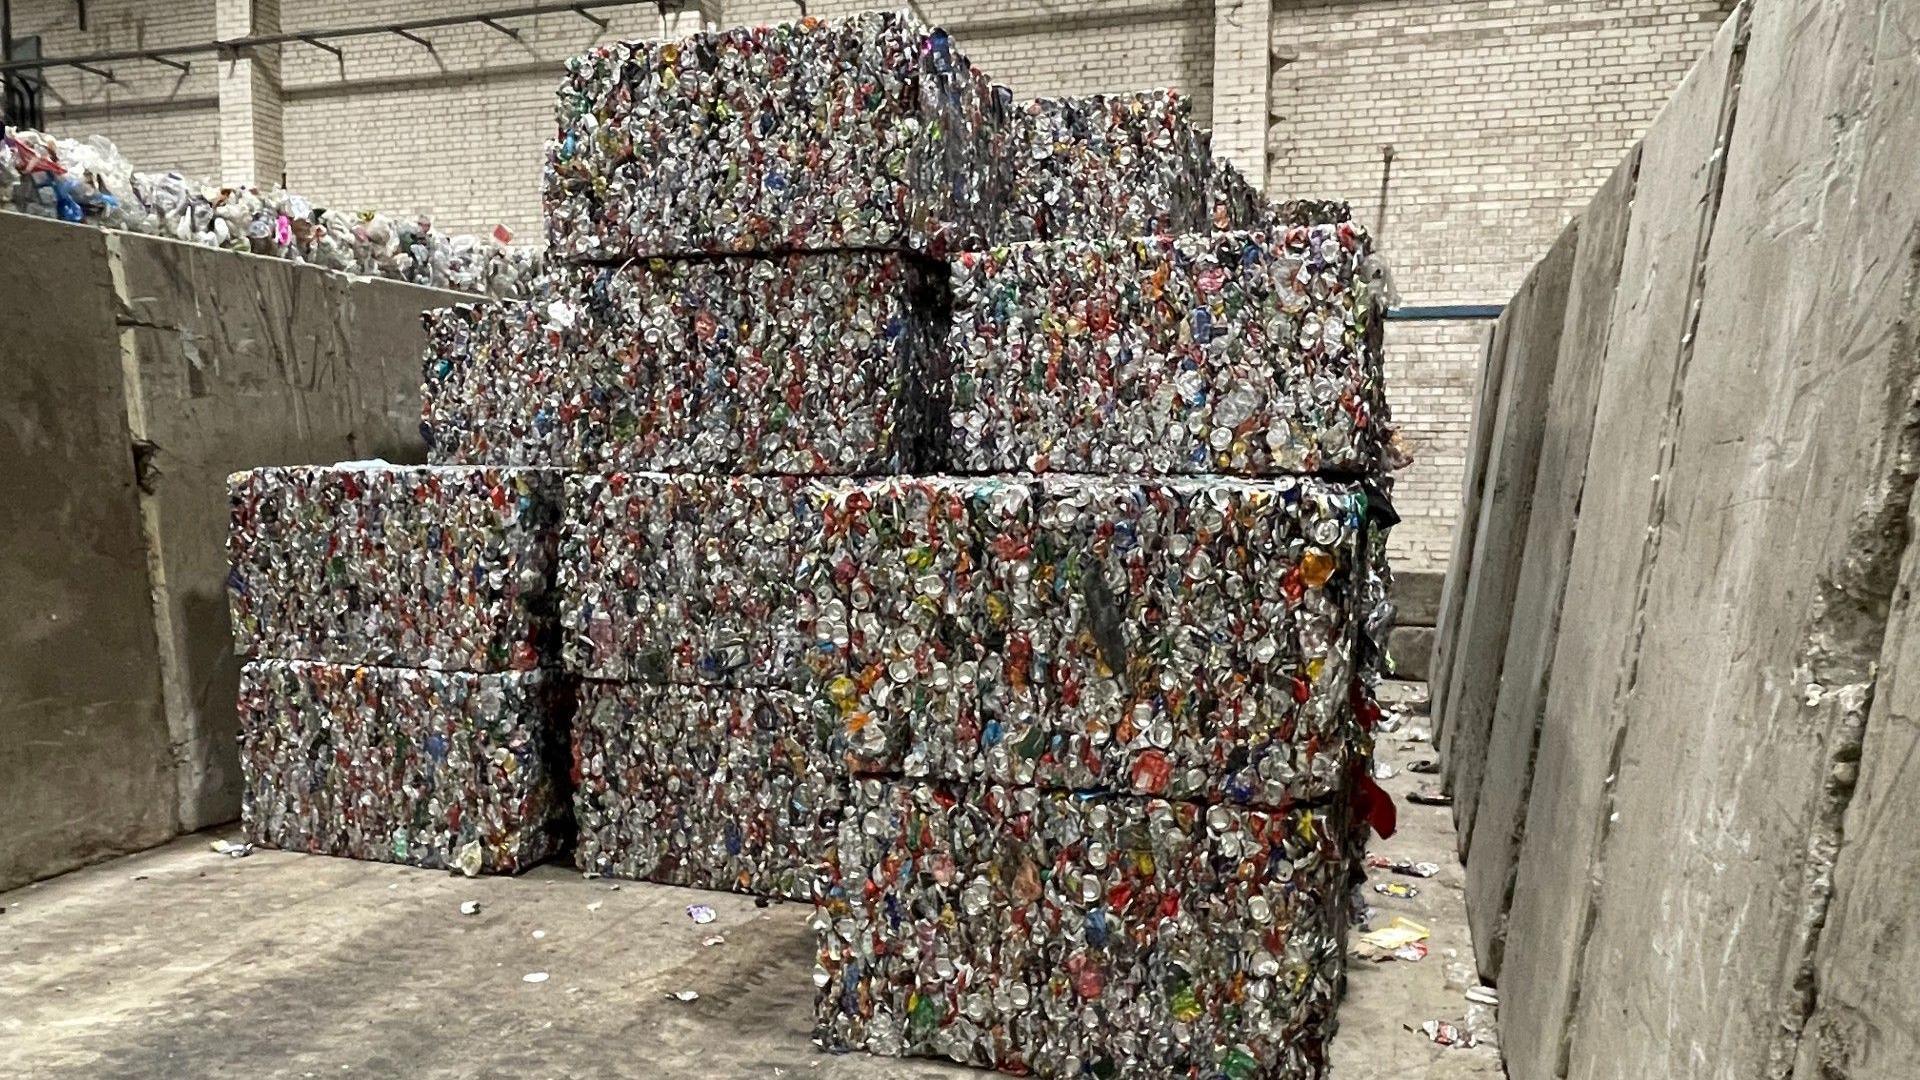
(1201,637)
(1105,165)
(684,578)
(705,786)
(498,387)
(1243,353)
(808,364)
(425,566)
(1233,202)
(442,769)
(1068,934)
(937,572)
(804,364)
(870,131)
(1186,637)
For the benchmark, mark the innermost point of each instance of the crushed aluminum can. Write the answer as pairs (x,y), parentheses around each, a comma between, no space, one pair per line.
(700,579)
(497,388)
(1444,1033)
(829,363)
(1187,638)
(937,573)
(871,131)
(709,787)
(1243,353)
(1233,203)
(409,566)
(1406,867)
(995,925)
(405,765)
(797,364)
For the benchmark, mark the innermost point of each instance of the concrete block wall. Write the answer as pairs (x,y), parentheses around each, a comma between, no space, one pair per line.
(142,372)
(1683,859)
(1504,115)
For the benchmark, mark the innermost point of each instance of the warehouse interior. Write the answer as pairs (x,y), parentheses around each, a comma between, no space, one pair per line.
(1214,538)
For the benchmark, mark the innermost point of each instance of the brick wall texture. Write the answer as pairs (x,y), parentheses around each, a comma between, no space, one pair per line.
(1503,115)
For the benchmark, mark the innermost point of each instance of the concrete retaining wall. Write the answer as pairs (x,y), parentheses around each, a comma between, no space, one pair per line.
(141,372)
(1530,337)
(1687,853)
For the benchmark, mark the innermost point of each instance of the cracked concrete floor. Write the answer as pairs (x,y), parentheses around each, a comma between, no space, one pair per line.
(179,962)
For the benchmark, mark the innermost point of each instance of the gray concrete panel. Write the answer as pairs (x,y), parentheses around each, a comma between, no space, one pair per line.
(84,767)
(1535,319)
(1501,813)
(1568,805)
(1779,546)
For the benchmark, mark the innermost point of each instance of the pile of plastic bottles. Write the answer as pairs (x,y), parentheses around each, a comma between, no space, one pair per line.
(88,181)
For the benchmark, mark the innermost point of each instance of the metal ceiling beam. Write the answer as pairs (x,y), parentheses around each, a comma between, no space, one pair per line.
(234,46)
(416,39)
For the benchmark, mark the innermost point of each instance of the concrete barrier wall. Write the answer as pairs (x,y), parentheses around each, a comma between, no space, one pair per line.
(84,766)
(1687,855)
(1531,334)
(168,366)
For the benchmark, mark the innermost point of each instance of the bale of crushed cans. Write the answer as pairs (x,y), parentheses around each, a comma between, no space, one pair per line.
(442,769)
(800,364)
(90,181)
(1105,165)
(1068,934)
(497,387)
(686,578)
(1234,203)
(1244,353)
(704,786)
(871,131)
(1189,638)
(428,566)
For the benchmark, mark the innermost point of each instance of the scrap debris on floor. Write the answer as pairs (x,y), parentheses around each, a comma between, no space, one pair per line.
(1414,1007)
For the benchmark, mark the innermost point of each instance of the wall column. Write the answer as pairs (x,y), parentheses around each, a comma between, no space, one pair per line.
(1242,76)
(252,147)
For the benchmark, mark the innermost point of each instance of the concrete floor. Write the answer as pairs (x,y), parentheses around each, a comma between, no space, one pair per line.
(180,962)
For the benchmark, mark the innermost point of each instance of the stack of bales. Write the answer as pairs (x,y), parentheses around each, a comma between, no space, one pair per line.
(1107,758)
(961,525)
(747,316)
(399,701)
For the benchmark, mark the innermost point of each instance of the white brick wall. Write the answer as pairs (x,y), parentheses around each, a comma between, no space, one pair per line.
(1504,116)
